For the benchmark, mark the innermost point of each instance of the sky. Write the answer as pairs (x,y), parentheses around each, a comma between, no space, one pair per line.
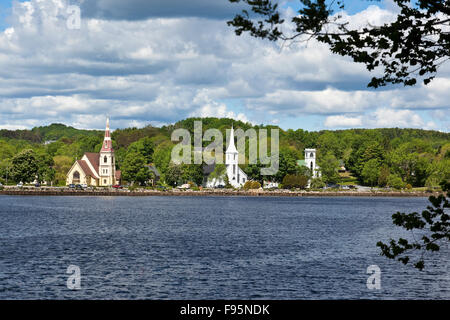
(159,61)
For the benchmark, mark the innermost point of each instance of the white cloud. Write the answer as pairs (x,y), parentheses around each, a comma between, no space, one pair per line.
(341,121)
(161,70)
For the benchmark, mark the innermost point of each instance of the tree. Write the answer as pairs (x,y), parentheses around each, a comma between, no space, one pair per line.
(370,172)
(192,173)
(173,175)
(25,166)
(145,147)
(46,171)
(412,46)
(395,182)
(162,155)
(433,225)
(134,169)
(62,165)
(329,166)
(219,172)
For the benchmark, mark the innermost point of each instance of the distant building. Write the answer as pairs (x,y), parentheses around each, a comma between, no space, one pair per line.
(156,174)
(310,162)
(96,169)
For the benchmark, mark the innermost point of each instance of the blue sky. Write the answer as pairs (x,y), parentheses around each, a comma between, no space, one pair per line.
(161,61)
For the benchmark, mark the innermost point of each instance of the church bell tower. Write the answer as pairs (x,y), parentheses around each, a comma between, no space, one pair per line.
(107,165)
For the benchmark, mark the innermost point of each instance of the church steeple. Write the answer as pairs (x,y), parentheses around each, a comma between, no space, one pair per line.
(107,143)
(231,147)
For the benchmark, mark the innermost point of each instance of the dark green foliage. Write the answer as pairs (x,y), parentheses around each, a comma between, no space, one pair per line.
(291,181)
(25,166)
(433,225)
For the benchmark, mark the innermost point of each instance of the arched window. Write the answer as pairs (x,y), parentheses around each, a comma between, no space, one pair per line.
(311,155)
(76,177)
(105,159)
(311,165)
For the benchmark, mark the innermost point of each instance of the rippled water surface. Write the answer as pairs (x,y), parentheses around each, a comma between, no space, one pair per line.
(208,248)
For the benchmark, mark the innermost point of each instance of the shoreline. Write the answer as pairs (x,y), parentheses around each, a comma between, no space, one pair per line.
(206,193)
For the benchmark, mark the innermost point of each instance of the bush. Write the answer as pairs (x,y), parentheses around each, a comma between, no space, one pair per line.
(317,183)
(251,185)
(395,182)
(295,181)
(408,186)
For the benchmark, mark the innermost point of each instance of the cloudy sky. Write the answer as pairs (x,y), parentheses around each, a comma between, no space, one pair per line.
(160,61)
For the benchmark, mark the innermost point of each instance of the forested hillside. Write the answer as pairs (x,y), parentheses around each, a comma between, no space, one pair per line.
(375,157)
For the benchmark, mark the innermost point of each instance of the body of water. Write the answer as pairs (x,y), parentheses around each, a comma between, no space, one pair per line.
(209,248)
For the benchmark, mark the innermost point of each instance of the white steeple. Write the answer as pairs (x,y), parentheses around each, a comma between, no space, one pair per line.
(231,148)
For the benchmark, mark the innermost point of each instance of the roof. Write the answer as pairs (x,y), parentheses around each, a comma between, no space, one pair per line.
(85,167)
(154,170)
(94,159)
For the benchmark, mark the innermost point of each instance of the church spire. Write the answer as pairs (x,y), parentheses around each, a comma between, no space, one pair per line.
(107,143)
(231,148)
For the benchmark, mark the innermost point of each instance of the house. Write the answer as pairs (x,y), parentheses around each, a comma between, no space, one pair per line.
(156,174)
(96,169)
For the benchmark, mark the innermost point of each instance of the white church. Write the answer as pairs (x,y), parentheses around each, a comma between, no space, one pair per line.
(236,176)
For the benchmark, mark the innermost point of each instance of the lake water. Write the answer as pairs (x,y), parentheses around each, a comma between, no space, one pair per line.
(208,248)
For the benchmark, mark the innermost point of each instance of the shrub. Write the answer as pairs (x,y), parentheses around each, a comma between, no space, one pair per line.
(251,185)
(295,181)
(395,182)
(256,185)
(317,183)
(408,186)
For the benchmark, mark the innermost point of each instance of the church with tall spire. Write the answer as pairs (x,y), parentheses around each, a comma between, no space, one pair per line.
(96,169)
(236,176)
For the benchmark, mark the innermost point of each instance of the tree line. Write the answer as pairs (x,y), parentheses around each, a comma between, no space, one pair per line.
(388,157)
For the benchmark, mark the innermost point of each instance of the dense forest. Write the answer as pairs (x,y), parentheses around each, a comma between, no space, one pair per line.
(388,157)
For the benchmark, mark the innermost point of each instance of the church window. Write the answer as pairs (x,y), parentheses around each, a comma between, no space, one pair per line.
(234,157)
(311,155)
(234,169)
(104,181)
(311,165)
(105,160)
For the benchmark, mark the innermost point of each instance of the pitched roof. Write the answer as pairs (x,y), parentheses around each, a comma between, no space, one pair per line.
(84,166)
(93,159)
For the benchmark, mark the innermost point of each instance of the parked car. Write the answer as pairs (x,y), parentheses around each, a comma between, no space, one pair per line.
(117,186)
(20,185)
(78,187)
(220,186)
(162,188)
(1,185)
(84,186)
(37,185)
(72,186)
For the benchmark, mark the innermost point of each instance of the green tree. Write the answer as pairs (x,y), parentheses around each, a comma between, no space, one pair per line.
(395,182)
(162,156)
(192,173)
(25,166)
(145,147)
(134,169)
(370,172)
(329,166)
(412,45)
(62,165)
(174,174)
